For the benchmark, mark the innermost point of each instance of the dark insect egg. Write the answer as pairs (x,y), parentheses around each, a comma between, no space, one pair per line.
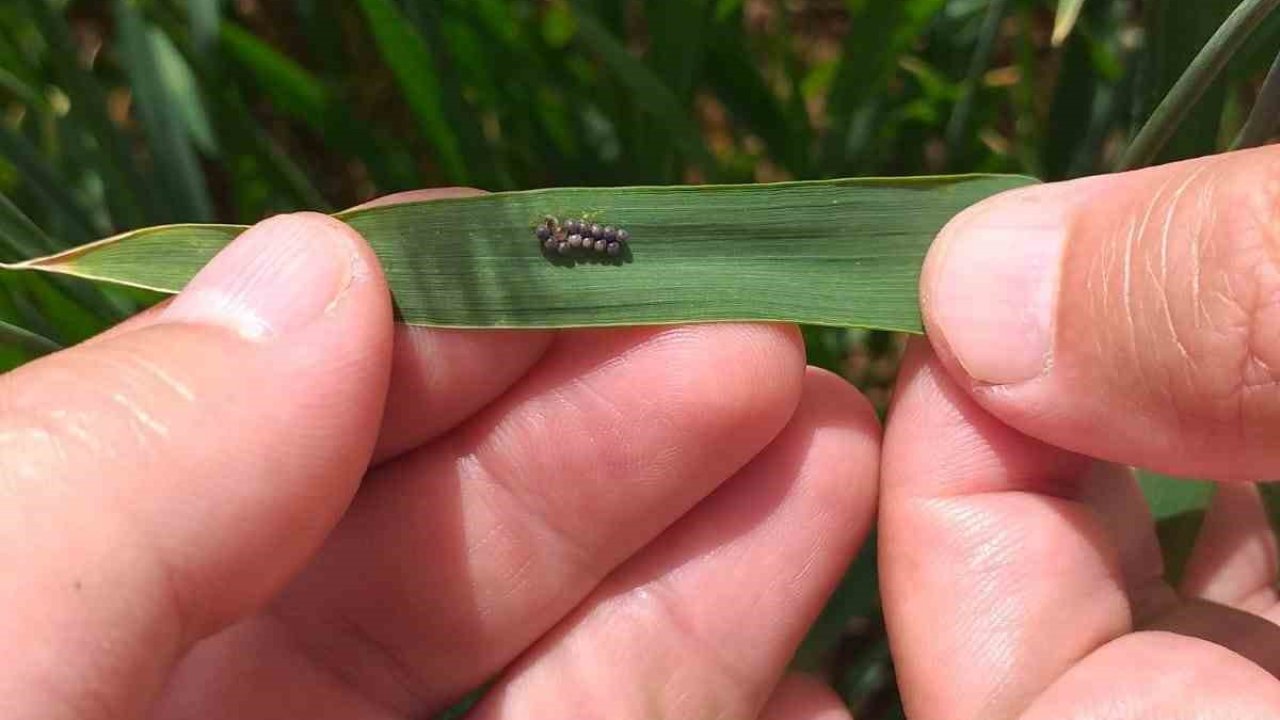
(623,235)
(601,246)
(610,233)
(573,226)
(563,248)
(543,232)
(596,231)
(575,241)
(550,244)
(614,249)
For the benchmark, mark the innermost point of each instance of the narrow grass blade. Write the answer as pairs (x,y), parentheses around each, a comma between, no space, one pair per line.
(159,106)
(36,344)
(1195,82)
(1271,500)
(653,96)
(407,55)
(738,82)
(881,33)
(839,253)
(1178,507)
(1065,22)
(961,117)
(20,238)
(204,17)
(296,92)
(1264,120)
(46,183)
(132,196)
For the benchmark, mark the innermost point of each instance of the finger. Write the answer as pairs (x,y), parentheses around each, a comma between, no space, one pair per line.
(457,556)
(1161,675)
(166,481)
(1130,317)
(1016,556)
(799,697)
(1235,560)
(441,377)
(703,622)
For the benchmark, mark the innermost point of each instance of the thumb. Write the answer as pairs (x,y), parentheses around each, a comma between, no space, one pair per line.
(1132,317)
(164,481)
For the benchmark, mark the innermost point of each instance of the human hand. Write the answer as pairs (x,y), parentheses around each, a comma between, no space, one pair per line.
(211,511)
(1133,318)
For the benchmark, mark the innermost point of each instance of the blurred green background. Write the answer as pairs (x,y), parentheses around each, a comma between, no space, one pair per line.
(117,114)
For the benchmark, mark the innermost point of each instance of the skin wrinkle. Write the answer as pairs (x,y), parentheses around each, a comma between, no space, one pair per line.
(657,596)
(1163,281)
(140,417)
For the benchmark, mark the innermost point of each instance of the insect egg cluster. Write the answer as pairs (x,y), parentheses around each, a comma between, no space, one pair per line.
(577,236)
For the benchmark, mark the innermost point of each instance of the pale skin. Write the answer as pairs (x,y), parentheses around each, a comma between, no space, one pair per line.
(264,499)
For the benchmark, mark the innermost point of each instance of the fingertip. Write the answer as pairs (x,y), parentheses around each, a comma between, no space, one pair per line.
(803,697)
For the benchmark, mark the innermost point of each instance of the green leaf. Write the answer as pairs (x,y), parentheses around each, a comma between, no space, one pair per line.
(407,55)
(1178,507)
(132,196)
(839,253)
(205,16)
(20,238)
(181,85)
(736,78)
(653,96)
(1270,493)
(296,92)
(159,104)
(1065,22)
(34,343)
(881,33)
(958,128)
(47,184)
(1264,120)
(1181,101)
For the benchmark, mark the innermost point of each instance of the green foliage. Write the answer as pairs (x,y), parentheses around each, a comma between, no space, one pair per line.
(119,115)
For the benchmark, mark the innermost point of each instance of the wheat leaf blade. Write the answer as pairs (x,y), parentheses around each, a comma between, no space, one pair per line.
(840,252)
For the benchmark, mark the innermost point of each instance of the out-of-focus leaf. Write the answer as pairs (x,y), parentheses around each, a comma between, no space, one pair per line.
(133,196)
(1178,507)
(407,55)
(1183,96)
(738,83)
(36,344)
(20,238)
(44,181)
(205,16)
(958,128)
(655,99)
(1065,22)
(1264,120)
(881,33)
(181,85)
(159,106)
(299,94)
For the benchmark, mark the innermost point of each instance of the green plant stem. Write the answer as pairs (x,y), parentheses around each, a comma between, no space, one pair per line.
(1264,120)
(1199,76)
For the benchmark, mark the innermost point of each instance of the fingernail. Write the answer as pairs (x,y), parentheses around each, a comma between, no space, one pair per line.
(278,276)
(991,285)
